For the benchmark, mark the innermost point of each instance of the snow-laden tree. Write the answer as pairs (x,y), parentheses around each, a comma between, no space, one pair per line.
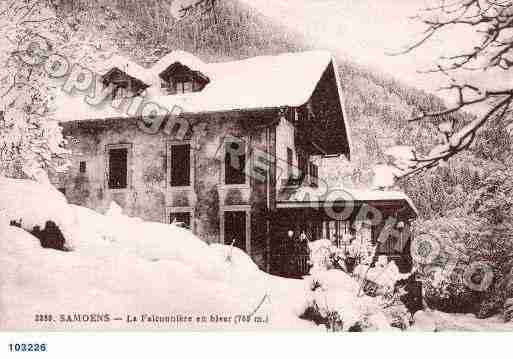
(478,69)
(31,141)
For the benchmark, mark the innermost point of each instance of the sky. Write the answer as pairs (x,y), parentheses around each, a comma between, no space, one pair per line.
(366,31)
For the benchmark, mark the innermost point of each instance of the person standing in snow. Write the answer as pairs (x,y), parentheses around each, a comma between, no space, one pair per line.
(285,254)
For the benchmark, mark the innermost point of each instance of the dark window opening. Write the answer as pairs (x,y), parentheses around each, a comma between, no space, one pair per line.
(187,86)
(303,165)
(181,218)
(181,165)
(290,163)
(314,174)
(302,114)
(235,163)
(261,167)
(122,90)
(235,229)
(82,166)
(291,115)
(118,169)
(181,85)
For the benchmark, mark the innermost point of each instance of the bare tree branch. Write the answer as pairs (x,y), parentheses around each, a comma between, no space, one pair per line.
(492,23)
(459,141)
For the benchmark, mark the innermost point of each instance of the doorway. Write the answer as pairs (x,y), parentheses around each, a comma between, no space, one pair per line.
(235,229)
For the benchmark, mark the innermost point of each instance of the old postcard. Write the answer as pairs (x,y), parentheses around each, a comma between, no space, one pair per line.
(256,165)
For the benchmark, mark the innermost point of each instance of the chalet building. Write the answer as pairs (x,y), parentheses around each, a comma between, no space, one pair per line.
(241,164)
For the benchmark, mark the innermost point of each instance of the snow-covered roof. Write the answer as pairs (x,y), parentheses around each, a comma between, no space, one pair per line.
(260,82)
(185,58)
(67,108)
(305,195)
(256,83)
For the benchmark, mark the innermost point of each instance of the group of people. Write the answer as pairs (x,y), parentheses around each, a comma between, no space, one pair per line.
(293,254)
(355,247)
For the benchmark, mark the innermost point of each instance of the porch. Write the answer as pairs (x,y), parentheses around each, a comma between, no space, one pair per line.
(364,215)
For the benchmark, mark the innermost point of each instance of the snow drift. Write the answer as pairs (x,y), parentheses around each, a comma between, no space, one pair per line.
(124,266)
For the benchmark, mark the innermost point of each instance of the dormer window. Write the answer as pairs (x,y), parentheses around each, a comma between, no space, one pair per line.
(183,87)
(179,79)
(124,85)
(122,90)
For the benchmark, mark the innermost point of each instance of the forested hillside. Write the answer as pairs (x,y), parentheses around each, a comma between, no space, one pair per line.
(147,30)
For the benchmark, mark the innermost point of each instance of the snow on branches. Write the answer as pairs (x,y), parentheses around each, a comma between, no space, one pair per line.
(31,143)
(478,75)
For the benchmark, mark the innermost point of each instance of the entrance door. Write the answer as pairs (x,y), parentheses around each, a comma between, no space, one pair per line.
(235,229)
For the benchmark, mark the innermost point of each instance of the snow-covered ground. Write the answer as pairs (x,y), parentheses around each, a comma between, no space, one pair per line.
(141,271)
(468,322)
(43,281)
(124,266)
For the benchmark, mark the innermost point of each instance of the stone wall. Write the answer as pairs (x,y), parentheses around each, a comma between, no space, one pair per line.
(149,195)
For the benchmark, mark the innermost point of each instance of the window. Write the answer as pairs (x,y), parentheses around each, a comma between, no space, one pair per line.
(181,218)
(180,165)
(187,86)
(125,93)
(290,163)
(291,115)
(123,87)
(235,229)
(303,165)
(120,91)
(302,114)
(235,162)
(180,86)
(184,87)
(168,86)
(314,174)
(82,167)
(118,168)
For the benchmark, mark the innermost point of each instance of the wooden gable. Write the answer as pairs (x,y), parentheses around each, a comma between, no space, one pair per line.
(121,80)
(321,121)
